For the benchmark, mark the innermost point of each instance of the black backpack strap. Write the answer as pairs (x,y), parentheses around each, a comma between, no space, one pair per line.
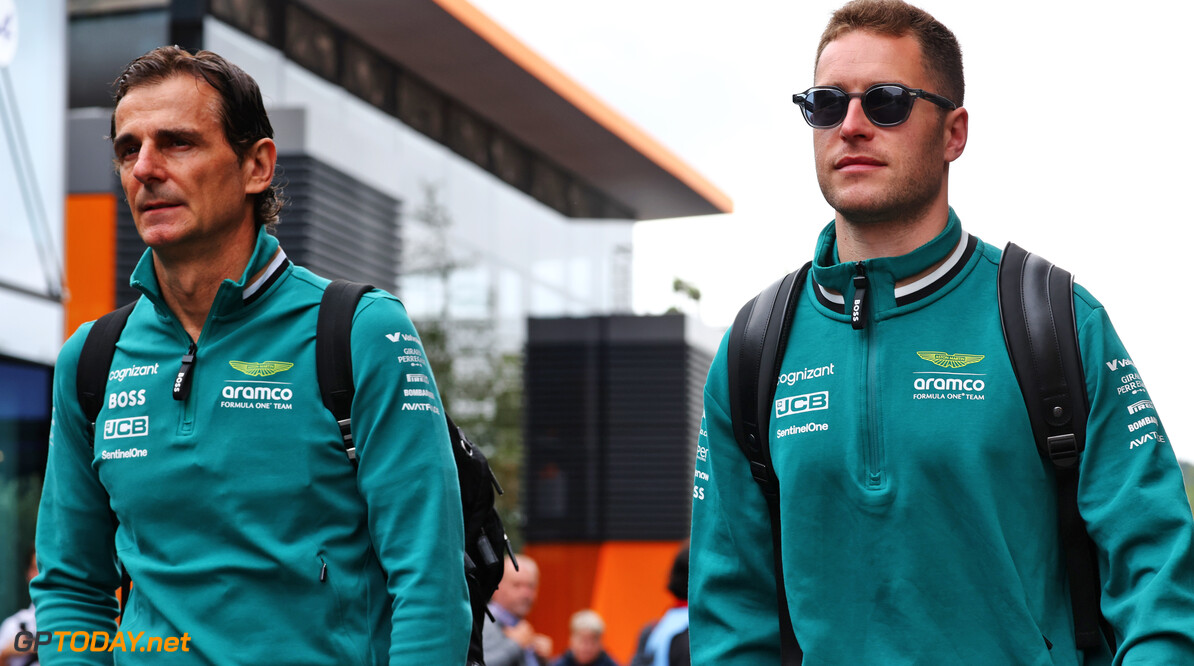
(91,381)
(95,362)
(756,346)
(1036,308)
(333,354)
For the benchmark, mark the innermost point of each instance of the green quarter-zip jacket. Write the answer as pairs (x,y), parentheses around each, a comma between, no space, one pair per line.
(919,523)
(225,491)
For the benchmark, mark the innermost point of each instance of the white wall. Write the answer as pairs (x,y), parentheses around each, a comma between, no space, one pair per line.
(32,177)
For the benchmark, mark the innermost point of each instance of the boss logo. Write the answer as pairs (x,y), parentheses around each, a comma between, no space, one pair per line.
(126,399)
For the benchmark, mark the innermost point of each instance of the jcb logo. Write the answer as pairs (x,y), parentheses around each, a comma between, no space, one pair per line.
(798,404)
(136,426)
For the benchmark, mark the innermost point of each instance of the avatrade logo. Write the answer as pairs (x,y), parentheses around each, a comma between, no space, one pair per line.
(263,369)
(1140,406)
(798,404)
(950,360)
(133,426)
(1119,363)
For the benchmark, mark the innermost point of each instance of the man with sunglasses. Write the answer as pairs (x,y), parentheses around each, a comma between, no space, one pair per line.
(918,524)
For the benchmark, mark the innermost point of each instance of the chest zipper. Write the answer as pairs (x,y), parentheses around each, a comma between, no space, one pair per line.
(182,388)
(873,455)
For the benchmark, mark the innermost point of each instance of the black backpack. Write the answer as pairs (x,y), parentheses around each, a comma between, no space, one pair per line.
(1036,308)
(485,536)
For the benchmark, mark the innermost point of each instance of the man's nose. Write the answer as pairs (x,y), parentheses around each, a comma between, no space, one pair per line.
(856,123)
(148,166)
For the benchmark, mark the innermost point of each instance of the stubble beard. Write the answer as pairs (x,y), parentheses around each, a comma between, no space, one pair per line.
(903,201)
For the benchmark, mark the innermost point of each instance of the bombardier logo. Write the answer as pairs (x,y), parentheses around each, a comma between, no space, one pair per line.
(798,404)
(950,360)
(263,369)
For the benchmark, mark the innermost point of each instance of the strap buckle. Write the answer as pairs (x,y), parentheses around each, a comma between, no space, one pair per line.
(350,449)
(1063,450)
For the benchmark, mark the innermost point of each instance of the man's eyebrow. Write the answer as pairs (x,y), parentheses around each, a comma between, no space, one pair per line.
(161,136)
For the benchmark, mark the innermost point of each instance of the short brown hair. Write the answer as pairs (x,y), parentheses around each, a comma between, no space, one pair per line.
(242,112)
(941,52)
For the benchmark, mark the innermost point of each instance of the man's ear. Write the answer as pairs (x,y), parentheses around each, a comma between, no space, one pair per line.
(258,165)
(957,128)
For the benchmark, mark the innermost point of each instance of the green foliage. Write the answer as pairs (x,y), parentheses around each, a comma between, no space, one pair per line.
(481,386)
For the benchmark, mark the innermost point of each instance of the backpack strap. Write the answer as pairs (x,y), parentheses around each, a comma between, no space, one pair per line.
(1036,309)
(333,354)
(756,346)
(95,362)
(91,381)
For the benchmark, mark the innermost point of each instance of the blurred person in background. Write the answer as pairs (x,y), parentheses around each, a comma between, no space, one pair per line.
(665,641)
(509,639)
(21,621)
(584,642)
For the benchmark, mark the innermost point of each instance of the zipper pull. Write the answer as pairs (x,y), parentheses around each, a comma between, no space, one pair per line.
(323,570)
(858,311)
(182,383)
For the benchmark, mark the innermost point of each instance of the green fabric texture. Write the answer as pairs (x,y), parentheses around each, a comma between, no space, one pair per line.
(918,520)
(240,519)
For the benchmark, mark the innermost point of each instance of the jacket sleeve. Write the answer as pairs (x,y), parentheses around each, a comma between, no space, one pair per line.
(407,476)
(1132,499)
(732,597)
(76,553)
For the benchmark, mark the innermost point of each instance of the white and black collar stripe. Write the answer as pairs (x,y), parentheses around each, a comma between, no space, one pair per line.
(270,275)
(914,291)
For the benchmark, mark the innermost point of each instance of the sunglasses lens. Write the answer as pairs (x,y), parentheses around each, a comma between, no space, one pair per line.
(887,105)
(825,108)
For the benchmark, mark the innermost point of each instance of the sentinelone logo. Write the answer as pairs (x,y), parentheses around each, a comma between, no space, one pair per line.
(83,641)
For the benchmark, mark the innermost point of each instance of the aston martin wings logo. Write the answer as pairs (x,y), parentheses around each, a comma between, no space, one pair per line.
(263,369)
(949,360)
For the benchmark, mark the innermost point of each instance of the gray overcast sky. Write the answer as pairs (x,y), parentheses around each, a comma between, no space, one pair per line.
(1078,147)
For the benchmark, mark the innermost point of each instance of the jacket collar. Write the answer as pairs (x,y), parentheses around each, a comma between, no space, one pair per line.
(267,264)
(833,279)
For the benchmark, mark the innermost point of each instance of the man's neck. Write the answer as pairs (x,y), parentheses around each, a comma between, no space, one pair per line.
(189,281)
(891,238)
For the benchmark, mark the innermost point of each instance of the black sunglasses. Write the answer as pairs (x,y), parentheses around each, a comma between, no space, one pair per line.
(885,104)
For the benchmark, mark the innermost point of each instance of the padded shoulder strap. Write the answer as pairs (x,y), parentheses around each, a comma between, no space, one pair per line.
(95,362)
(333,354)
(1036,309)
(756,345)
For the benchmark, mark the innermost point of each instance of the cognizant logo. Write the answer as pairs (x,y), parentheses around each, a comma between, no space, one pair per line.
(90,641)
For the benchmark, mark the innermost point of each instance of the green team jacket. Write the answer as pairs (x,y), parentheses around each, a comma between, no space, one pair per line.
(918,520)
(239,518)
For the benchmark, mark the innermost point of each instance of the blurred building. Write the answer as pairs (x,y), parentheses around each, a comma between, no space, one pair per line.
(32,164)
(613,409)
